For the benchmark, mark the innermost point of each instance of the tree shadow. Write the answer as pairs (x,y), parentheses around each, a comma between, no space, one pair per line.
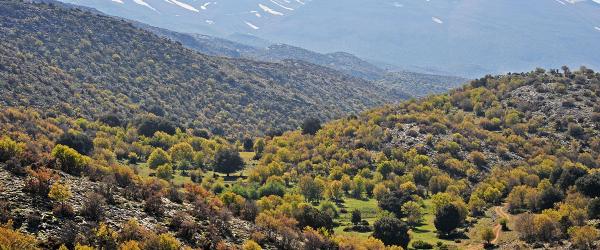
(418,230)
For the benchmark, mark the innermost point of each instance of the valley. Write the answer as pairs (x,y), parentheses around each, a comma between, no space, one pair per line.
(116,134)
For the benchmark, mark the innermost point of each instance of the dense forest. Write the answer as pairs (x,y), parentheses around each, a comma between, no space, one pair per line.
(92,158)
(74,62)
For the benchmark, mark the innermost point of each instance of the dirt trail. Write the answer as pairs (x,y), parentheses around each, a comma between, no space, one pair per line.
(498,228)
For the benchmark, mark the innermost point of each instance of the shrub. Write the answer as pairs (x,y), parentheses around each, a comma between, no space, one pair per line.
(11,239)
(329,208)
(175,195)
(247,144)
(478,158)
(78,141)
(39,181)
(162,242)
(130,245)
(132,230)
(105,237)
(148,125)
(419,244)
(575,130)
(272,188)
(251,245)
(94,206)
(584,237)
(111,120)
(154,206)
(10,149)
(312,217)
(60,192)
(165,172)
(589,185)
(593,208)
(69,160)
(249,210)
(487,235)
(63,211)
(4,211)
(504,224)
(34,220)
(187,230)
(311,126)
(393,202)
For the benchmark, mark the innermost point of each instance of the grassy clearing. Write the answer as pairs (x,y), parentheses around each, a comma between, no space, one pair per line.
(178,179)
(368,209)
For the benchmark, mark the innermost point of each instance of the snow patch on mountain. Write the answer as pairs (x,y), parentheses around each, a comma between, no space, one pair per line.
(118,1)
(437,20)
(281,5)
(560,2)
(251,25)
(141,2)
(183,5)
(256,13)
(269,10)
(205,5)
(597,28)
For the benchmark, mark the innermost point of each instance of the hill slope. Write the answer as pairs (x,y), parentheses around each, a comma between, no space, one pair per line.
(342,62)
(531,140)
(74,62)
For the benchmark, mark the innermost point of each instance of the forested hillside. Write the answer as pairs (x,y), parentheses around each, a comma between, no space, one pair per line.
(531,141)
(67,61)
(506,161)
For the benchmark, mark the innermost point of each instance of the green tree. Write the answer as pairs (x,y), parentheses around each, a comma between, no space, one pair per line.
(311,188)
(413,211)
(356,217)
(259,147)
(157,158)
(487,235)
(248,144)
(447,219)
(391,231)
(182,152)
(228,160)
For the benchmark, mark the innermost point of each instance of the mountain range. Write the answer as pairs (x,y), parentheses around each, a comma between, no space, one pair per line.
(461,37)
